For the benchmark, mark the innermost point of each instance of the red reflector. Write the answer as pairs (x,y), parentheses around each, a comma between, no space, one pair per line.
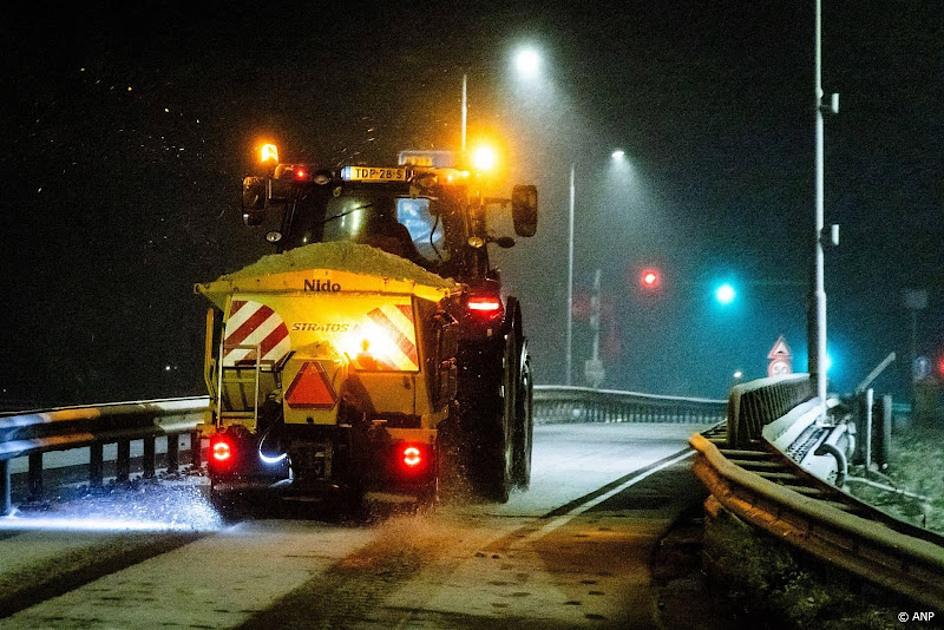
(311,388)
(222,451)
(301,173)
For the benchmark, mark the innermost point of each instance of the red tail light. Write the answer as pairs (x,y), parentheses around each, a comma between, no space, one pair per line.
(221,450)
(486,306)
(301,173)
(412,457)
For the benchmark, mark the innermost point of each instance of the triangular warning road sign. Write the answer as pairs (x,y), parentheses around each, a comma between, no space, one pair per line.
(780,350)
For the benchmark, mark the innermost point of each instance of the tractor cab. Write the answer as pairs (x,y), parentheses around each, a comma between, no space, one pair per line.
(425,209)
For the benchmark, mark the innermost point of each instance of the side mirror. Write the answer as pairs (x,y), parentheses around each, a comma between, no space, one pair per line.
(254,193)
(524,209)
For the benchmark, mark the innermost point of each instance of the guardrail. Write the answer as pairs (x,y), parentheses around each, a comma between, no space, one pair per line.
(873,545)
(559,405)
(36,432)
(31,434)
(756,404)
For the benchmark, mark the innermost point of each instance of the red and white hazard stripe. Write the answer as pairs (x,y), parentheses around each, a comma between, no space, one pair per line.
(254,324)
(396,320)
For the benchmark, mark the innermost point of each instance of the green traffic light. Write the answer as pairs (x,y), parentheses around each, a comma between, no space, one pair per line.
(725,293)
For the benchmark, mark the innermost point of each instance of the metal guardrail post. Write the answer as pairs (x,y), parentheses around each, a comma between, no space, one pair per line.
(196,459)
(6,502)
(35,477)
(96,466)
(173,453)
(149,456)
(123,463)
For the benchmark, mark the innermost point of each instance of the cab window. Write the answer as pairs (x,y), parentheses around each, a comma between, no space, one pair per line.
(427,234)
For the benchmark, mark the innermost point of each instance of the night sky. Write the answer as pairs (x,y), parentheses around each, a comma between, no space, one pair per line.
(130,125)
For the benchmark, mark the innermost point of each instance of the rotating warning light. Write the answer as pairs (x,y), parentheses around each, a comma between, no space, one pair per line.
(650,279)
(269,153)
(484,158)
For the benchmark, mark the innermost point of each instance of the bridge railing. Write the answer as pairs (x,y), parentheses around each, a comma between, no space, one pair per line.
(896,555)
(754,405)
(31,434)
(555,404)
(34,433)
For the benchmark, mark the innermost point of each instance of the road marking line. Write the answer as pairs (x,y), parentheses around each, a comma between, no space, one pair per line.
(563,519)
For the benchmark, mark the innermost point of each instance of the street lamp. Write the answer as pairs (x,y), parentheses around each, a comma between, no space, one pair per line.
(528,62)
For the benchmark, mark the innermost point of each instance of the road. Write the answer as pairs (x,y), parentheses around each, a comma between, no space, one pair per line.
(576,550)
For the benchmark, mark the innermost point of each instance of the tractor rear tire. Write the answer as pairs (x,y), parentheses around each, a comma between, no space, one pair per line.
(524,427)
(499,446)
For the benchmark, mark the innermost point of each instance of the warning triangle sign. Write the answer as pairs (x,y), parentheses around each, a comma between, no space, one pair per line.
(780,350)
(311,388)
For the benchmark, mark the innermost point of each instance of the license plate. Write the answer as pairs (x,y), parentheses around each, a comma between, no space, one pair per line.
(373,174)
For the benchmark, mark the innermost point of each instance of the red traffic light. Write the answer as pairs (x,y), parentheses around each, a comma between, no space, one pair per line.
(650,279)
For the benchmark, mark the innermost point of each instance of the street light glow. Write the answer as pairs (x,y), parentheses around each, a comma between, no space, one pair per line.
(738,374)
(618,155)
(528,62)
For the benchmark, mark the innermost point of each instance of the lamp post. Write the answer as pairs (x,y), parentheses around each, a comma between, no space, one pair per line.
(569,360)
(465,108)
(816,318)
(618,156)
